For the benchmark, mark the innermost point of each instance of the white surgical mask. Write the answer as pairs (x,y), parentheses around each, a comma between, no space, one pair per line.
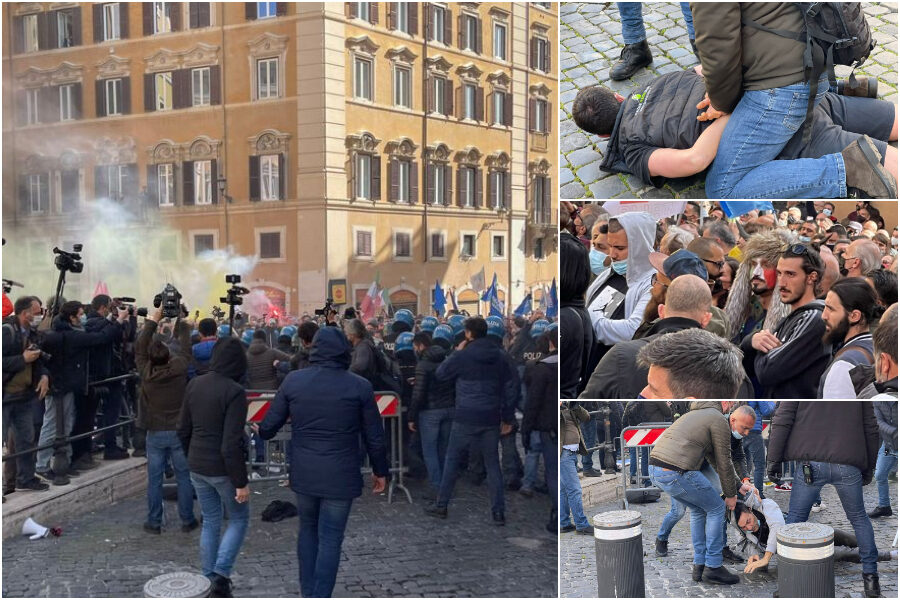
(620,266)
(736,435)
(597,259)
(36,320)
(827,212)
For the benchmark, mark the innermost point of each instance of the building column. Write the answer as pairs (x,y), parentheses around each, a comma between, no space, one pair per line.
(519,152)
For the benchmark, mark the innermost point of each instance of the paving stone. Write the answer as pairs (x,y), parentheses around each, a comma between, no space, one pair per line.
(565,176)
(572,191)
(607,187)
(590,173)
(582,157)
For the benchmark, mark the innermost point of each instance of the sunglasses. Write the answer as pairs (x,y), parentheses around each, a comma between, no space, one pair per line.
(798,249)
(654,280)
(720,264)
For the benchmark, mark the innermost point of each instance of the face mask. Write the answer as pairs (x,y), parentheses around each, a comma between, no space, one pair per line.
(826,212)
(83,319)
(36,320)
(736,435)
(620,266)
(597,260)
(782,222)
(893,241)
(804,239)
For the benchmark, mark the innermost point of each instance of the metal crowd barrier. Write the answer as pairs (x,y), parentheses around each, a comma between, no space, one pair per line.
(275,465)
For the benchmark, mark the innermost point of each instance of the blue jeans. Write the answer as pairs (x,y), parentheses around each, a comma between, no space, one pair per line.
(633,21)
(322,525)
(676,512)
(589,433)
(533,461)
(161,447)
(847,481)
(217,551)
(570,492)
(759,128)
(434,430)
(485,439)
(886,463)
(645,458)
(756,455)
(48,428)
(696,492)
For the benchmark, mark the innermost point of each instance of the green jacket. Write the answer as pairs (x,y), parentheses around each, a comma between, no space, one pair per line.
(701,434)
(570,420)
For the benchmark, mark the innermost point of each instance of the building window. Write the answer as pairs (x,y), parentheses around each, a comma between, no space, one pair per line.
(198,14)
(439,92)
(363,176)
(163,82)
(539,249)
(110,22)
(437,245)
(467,181)
(267,78)
(203,182)
(200,86)
(402,186)
(204,242)
(65,31)
(30,25)
(541,200)
(114,96)
(499,108)
(498,189)
(544,5)
(469,33)
(32,101)
(439,174)
(402,85)
(468,245)
(362,78)
(540,54)
(165,177)
(362,11)
(469,109)
(364,243)
(438,24)
(66,102)
(162,17)
(264,10)
(500,41)
(270,244)
(39,193)
(115,181)
(540,116)
(498,246)
(401,12)
(402,245)
(270,188)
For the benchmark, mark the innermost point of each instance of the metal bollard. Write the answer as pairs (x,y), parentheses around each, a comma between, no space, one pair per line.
(180,584)
(806,561)
(620,554)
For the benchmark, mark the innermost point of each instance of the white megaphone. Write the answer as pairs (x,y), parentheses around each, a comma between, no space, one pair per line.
(34,530)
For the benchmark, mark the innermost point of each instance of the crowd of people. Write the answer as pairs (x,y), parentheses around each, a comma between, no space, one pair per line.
(715,460)
(474,393)
(787,302)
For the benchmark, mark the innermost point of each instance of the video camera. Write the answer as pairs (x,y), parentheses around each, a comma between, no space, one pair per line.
(69,261)
(234,295)
(8,285)
(327,309)
(217,313)
(170,302)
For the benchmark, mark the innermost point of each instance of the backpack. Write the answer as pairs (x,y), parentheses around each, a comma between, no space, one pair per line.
(387,375)
(841,30)
(634,413)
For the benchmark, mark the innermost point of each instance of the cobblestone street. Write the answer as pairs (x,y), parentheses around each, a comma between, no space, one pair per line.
(389,550)
(591,41)
(671,576)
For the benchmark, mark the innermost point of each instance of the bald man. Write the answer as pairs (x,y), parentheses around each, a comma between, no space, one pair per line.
(832,271)
(617,376)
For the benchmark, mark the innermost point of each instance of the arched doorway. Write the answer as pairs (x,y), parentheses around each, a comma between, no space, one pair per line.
(405,299)
(467,300)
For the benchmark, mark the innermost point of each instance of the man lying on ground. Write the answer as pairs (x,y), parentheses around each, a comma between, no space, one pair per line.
(662,131)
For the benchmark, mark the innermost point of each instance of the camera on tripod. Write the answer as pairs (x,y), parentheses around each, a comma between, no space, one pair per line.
(234,295)
(170,302)
(327,309)
(217,313)
(69,261)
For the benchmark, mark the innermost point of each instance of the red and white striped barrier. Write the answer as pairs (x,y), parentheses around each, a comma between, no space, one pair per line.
(258,405)
(642,436)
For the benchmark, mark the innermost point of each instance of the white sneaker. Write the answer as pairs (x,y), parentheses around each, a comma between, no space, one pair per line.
(818,506)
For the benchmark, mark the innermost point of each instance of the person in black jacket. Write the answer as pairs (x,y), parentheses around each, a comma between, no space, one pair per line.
(431,409)
(330,410)
(839,442)
(886,415)
(789,362)
(68,344)
(541,410)
(363,357)
(211,430)
(576,332)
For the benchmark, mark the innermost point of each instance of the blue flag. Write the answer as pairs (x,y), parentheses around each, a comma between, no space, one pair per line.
(486,296)
(736,208)
(525,307)
(552,304)
(453,300)
(496,305)
(440,301)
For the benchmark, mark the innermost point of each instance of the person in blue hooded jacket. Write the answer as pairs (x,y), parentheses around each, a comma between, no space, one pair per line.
(485,410)
(329,408)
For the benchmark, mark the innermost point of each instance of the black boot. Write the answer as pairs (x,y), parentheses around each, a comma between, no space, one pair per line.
(221,586)
(871,585)
(720,576)
(697,573)
(694,46)
(881,511)
(633,57)
(662,547)
(729,554)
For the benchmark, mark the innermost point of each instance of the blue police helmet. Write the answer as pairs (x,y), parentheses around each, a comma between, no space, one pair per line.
(223,331)
(247,337)
(457,323)
(429,324)
(289,330)
(443,332)
(405,316)
(495,327)
(404,341)
(195,332)
(539,327)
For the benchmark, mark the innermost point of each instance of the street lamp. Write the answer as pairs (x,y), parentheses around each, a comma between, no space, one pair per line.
(221,181)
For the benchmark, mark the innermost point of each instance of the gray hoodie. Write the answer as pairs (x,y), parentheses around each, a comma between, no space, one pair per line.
(640,228)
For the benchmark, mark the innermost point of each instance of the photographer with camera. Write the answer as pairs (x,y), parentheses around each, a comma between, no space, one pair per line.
(25,379)
(69,344)
(163,381)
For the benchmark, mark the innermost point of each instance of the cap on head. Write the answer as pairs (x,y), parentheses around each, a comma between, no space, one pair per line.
(682,262)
